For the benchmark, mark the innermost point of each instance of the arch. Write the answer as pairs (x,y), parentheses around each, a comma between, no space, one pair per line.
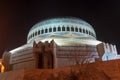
(50,60)
(80,30)
(36,33)
(63,28)
(42,31)
(93,35)
(90,33)
(68,28)
(40,60)
(45,60)
(87,32)
(54,29)
(50,29)
(46,30)
(83,30)
(76,29)
(39,32)
(59,28)
(72,28)
(33,34)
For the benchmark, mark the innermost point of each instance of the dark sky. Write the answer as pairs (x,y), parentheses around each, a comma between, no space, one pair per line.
(17,17)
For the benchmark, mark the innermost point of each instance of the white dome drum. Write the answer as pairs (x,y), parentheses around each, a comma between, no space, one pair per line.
(61,28)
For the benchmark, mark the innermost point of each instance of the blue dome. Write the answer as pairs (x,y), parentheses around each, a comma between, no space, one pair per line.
(61,27)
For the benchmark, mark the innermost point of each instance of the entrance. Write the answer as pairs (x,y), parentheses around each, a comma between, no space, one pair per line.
(40,61)
(45,61)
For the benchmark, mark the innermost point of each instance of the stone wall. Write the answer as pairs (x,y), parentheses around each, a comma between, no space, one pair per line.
(101,70)
(12,75)
(24,65)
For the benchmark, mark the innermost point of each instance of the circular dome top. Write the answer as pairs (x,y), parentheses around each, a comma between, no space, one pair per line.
(68,27)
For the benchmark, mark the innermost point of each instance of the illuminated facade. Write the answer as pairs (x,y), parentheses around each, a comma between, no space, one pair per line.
(59,42)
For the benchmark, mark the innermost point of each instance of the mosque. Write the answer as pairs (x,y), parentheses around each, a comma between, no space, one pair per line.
(59,42)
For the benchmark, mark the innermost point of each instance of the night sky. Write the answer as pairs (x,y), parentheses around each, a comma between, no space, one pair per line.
(17,17)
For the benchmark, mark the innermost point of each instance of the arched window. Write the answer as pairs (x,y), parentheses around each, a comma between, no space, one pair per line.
(72,29)
(86,31)
(59,28)
(80,30)
(46,30)
(39,32)
(42,31)
(35,33)
(76,29)
(83,30)
(54,29)
(63,28)
(50,29)
(89,33)
(68,28)
(93,34)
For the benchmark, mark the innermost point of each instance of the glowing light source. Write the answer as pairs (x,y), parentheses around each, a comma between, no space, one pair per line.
(2,67)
